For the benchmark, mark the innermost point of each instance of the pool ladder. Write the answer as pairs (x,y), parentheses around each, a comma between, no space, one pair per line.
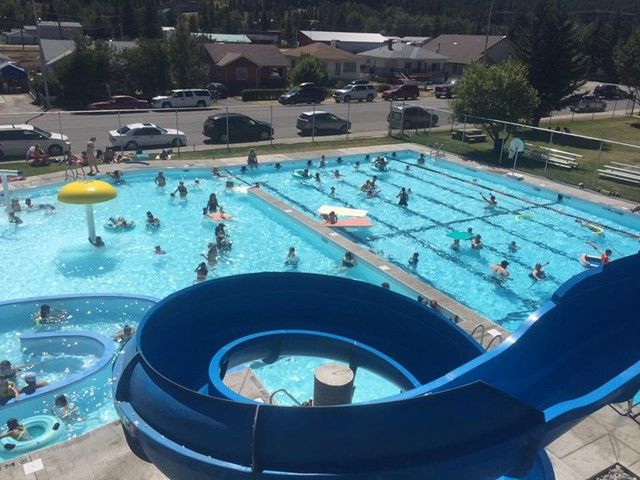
(494,334)
(283,390)
(436,152)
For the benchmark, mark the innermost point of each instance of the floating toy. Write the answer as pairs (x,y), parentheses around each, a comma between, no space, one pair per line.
(460,235)
(342,211)
(352,222)
(594,228)
(589,261)
(217,216)
(42,430)
(300,174)
(115,228)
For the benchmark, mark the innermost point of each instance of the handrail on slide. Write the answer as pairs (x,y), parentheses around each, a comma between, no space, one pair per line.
(283,390)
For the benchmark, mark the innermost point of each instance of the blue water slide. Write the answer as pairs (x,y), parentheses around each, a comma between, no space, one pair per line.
(462,413)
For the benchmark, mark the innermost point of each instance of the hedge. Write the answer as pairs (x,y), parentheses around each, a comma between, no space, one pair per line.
(251,94)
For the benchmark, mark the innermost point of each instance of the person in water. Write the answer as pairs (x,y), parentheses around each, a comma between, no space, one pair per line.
(538,273)
(500,269)
(160,180)
(32,384)
(125,334)
(97,242)
(331,218)
(13,218)
(47,316)
(152,221)
(513,248)
(252,159)
(212,204)
(332,193)
(357,165)
(403,197)
(476,243)
(305,173)
(413,261)
(212,254)
(8,391)
(8,371)
(201,272)
(605,256)
(317,177)
(421,159)
(63,408)
(491,201)
(323,162)
(15,430)
(348,260)
(455,245)
(292,259)
(337,174)
(158,250)
(181,189)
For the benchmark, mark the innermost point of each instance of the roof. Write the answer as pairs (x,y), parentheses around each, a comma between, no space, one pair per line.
(223,37)
(54,50)
(318,36)
(262,55)
(462,48)
(415,39)
(10,66)
(47,23)
(322,51)
(401,50)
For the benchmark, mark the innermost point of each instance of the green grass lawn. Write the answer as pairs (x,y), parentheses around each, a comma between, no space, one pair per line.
(300,147)
(621,129)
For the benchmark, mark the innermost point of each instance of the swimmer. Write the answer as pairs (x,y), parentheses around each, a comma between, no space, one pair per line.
(216,172)
(212,204)
(455,245)
(332,193)
(317,177)
(46,316)
(323,163)
(331,218)
(309,163)
(15,205)
(407,168)
(212,254)
(15,429)
(13,218)
(374,179)
(292,259)
(500,270)
(348,260)
(117,176)
(413,261)
(160,180)
(605,257)
(196,184)
(305,173)
(357,165)
(63,408)
(98,242)
(32,384)
(538,273)
(243,169)
(278,166)
(385,285)
(366,186)
(336,174)
(229,184)
(476,243)
(158,250)
(339,160)
(513,248)
(181,189)
(393,154)
(421,159)
(403,197)
(201,272)
(367,158)
(152,221)
(491,201)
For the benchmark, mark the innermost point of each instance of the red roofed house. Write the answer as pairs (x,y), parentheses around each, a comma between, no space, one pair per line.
(241,66)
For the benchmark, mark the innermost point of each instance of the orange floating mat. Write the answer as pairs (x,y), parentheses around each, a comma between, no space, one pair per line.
(351,222)
(217,216)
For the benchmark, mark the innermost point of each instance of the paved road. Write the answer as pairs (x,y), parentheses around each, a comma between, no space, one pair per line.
(365,117)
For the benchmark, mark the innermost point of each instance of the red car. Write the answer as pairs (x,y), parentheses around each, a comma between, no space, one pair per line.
(406,92)
(119,102)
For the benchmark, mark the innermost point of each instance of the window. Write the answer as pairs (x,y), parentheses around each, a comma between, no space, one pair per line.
(337,68)
(458,68)
(138,132)
(178,95)
(349,67)
(241,73)
(188,93)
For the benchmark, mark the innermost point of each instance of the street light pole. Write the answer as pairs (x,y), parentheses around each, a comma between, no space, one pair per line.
(486,38)
(47,101)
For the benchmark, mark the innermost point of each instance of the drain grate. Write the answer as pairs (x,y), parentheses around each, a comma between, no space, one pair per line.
(615,472)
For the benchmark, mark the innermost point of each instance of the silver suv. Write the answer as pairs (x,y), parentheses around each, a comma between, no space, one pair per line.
(16,139)
(183,99)
(355,92)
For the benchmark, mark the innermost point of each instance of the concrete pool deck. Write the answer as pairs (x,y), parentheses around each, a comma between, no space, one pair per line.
(595,443)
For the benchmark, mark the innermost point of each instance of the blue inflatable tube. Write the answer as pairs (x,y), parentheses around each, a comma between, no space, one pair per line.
(42,430)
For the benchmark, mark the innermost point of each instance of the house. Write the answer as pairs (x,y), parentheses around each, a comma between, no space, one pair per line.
(399,57)
(265,38)
(341,65)
(240,66)
(52,51)
(223,37)
(13,79)
(22,36)
(462,50)
(349,41)
(420,41)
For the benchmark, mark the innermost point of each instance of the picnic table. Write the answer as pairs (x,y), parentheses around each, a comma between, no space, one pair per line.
(472,135)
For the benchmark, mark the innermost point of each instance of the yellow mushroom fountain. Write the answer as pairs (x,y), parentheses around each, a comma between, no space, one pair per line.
(87,192)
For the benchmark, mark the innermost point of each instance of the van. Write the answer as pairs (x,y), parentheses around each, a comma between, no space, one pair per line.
(188,98)
(16,139)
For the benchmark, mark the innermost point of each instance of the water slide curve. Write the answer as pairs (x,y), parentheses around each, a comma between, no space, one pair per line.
(463,413)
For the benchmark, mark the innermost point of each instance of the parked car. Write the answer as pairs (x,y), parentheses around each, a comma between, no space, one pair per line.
(444,90)
(183,99)
(136,135)
(218,90)
(321,122)
(411,116)
(303,93)
(16,139)
(241,128)
(119,102)
(589,103)
(402,92)
(610,92)
(358,92)
(360,81)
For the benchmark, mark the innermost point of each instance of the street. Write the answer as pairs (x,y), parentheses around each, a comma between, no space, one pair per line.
(365,117)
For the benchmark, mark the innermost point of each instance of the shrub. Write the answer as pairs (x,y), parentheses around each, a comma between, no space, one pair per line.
(252,94)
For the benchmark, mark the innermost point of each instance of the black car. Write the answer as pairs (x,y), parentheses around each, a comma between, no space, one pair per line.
(303,93)
(411,116)
(240,127)
(217,90)
(610,92)
(445,90)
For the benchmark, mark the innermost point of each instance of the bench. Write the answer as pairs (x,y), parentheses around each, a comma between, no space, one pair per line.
(469,136)
(621,172)
(552,156)
(626,166)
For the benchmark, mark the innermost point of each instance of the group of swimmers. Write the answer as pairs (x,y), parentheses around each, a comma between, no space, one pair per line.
(16,207)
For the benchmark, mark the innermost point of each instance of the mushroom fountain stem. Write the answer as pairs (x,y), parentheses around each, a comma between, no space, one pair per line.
(91,223)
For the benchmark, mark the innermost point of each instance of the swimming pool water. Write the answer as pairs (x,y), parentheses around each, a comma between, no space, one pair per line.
(443,199)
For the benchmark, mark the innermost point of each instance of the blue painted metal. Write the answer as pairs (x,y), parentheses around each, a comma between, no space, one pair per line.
(475,416)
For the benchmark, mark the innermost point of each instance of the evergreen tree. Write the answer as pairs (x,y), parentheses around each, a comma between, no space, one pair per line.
(548,46)
(184,54)
(308,69)
(627,62)
(149,21)
(128,19)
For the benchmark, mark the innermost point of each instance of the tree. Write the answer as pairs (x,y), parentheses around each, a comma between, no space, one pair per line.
(149,21)
(308,69)
(184,54)
(497,92)
(146,68)
(627,60)
(547,45)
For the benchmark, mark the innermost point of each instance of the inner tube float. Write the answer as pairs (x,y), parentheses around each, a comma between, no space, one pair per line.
(43,430)
(300,174)
(375,168)
(594,228)
(589,261)
(110,226)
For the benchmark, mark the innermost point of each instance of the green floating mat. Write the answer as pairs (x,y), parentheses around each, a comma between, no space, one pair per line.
(459,235)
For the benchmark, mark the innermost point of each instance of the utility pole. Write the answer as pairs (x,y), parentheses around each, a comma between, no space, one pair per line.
(43,66)
(486,38)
